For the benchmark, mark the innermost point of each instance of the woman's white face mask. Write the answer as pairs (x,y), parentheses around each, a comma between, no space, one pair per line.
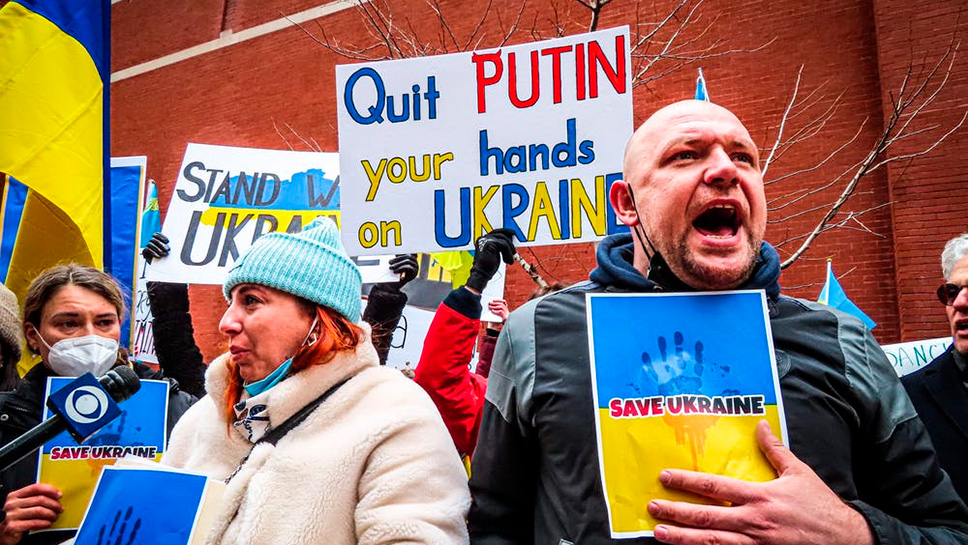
(75,356)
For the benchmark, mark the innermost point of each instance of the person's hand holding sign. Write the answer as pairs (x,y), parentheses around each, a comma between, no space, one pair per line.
(33,507)
(406,266)
(156,248)
(490,250)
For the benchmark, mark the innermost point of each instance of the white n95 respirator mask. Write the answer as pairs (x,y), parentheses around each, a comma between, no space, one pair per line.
(74,356)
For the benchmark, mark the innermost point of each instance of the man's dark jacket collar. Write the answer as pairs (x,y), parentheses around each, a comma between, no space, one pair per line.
(615,269)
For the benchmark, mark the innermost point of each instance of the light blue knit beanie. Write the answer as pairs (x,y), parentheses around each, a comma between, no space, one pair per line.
(311,264)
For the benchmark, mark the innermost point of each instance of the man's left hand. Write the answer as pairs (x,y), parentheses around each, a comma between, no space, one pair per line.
(796,507)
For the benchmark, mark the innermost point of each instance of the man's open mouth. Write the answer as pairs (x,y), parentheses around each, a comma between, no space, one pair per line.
(719,220)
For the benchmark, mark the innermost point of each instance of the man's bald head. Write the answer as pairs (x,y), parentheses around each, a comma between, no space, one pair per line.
(644,138)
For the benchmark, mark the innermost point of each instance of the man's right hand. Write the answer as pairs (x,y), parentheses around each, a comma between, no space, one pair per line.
(796,507)
(490,250)
(33,507)
(156,248)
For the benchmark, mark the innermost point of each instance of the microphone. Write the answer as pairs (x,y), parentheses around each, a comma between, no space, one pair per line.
(81,407)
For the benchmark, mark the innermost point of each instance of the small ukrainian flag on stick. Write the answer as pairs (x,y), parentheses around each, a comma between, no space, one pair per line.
(833,295)
(701,92)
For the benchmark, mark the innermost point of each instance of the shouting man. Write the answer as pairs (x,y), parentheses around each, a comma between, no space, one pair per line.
(860,469)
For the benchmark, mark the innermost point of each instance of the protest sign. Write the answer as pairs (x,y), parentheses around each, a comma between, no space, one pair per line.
(424,294)
(910,356)
(225,198)
(437,151)
(142,321)
(74,468)
(121,218)
(672,392)
(149,506)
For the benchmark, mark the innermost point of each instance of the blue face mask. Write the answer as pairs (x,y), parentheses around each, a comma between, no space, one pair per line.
(271,380)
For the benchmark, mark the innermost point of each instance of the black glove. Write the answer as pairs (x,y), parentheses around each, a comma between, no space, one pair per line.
(406,266)
(156,248)
(490,249)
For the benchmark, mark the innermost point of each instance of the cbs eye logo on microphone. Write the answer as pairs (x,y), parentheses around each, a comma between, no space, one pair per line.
(86,406)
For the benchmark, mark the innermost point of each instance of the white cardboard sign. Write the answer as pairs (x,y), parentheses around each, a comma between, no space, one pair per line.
(436,151)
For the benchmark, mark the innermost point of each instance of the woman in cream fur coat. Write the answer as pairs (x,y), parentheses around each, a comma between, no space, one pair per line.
(372,463)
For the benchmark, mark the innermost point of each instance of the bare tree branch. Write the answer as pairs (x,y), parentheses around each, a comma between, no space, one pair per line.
(912,98)
(392,40)
(786,113)
(595,6)
(288,145)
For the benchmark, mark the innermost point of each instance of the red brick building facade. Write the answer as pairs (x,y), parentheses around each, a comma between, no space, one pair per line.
(238,72)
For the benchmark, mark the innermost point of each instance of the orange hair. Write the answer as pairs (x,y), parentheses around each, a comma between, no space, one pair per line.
(334,334)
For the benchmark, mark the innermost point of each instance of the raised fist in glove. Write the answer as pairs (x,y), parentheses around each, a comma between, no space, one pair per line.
(490,250)
(156,248)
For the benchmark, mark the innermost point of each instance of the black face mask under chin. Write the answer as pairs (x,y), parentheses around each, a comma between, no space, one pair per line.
(641,235)
(662,275)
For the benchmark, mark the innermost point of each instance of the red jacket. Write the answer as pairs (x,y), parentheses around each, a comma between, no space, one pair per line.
(443,369)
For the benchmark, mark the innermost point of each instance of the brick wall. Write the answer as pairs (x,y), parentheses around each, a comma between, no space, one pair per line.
(929,195)
(245,94)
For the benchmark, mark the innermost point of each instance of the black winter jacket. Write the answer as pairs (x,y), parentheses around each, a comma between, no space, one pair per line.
(535,475)
(939,392)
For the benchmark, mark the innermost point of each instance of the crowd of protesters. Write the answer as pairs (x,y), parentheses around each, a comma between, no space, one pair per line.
(319,442)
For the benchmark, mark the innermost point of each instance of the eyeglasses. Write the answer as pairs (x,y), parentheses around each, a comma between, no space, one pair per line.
(947,293)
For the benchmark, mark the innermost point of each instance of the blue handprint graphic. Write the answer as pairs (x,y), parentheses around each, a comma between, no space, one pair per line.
(119,535)
(682,370)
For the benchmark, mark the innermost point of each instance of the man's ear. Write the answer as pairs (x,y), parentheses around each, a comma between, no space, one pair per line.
(623,203)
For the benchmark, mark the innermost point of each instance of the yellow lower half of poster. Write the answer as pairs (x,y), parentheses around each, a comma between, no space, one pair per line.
(76,480)
(635,450)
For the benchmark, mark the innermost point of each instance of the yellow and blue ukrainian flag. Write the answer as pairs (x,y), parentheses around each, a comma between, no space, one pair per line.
(54,74)
(833,295)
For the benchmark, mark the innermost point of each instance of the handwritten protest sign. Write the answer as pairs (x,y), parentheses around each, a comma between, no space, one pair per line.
(74,469)
(910,356)
(225,198)
(436,151)
(681,386)
(142,321)
(121,218)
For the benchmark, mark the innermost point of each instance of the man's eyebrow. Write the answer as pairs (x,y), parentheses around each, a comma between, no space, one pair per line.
(75,314)
(690,140)
(743,144)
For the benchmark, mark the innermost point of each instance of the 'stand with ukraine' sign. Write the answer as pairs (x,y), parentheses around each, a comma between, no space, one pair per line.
(679,381)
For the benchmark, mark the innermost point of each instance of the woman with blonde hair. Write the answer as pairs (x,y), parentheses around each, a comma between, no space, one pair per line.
(318,443)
